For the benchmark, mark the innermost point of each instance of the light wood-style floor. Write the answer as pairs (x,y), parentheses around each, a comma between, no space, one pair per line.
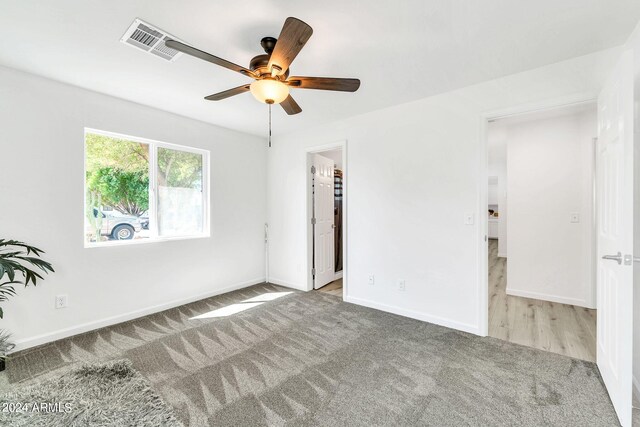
(559,328)
(333,288)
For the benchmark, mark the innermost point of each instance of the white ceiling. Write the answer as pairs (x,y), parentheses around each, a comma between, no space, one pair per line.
(401,50)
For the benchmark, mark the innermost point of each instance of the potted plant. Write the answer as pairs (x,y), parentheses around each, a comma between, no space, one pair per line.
(19,264)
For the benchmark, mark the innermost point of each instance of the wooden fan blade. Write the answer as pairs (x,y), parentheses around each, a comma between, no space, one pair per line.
(228,93)
(292,39)
(189,50)
(291,106)
(324,83)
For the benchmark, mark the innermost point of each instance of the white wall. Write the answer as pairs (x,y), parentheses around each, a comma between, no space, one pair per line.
(497,153)
(550,176)
(634,43)
(493,190)
(414,172)
(41,187)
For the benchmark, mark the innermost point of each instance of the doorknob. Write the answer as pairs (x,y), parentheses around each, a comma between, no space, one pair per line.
(333,226)
(617,257)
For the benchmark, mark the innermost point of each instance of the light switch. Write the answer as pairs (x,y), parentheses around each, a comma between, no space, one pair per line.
(575,217)
(468,219)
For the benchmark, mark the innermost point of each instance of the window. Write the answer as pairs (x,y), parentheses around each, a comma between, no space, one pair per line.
(139,190)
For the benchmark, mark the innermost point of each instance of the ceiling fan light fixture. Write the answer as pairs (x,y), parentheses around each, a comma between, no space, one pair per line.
(271,69)
(269,91)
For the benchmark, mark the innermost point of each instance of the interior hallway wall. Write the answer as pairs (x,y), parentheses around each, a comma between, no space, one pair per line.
(42,188)
(634,42)
(414,175)
(497,152)
(550,176)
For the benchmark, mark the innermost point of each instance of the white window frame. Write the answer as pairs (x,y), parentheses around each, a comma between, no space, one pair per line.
(153,185)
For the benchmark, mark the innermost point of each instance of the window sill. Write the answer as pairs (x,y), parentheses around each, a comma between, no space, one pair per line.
(116,243)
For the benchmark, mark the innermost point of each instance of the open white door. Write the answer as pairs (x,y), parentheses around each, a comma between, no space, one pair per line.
(614,200)
(323,202)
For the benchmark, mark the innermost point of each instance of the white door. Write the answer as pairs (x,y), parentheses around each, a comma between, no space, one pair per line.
(614,171)
(323,202)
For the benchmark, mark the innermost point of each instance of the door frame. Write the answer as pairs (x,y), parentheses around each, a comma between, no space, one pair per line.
(483,188)
(309,152)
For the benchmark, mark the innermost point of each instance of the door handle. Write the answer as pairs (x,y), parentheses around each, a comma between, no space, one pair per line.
(333,226)
(617,257)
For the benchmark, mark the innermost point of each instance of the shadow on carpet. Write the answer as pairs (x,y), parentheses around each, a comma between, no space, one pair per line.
(112,394)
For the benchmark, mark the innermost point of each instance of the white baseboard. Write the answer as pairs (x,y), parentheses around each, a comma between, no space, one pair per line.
(286,284)
(338,275)
(501,255)
(547,297)
(636,387)
(472,329)
(26,343)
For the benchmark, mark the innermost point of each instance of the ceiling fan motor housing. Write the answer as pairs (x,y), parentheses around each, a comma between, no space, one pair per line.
(268,44)
(260,63)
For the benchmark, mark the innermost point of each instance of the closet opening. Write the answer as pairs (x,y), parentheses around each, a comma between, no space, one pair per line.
(326,188)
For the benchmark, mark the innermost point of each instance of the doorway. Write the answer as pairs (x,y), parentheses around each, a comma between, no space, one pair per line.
(327,197)
(541,222)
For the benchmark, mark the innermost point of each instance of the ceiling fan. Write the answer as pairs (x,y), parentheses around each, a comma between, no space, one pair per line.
(270,71)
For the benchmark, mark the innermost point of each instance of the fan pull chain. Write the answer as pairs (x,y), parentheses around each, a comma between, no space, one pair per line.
(270,125)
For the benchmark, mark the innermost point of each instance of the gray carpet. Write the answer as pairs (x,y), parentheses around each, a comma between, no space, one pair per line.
(308,359)
(94,395)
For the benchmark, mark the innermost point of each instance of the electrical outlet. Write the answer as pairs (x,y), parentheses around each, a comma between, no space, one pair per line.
(371,280)
(401,286)
(61,301)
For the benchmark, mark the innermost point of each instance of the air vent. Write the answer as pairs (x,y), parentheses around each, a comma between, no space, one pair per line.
(150,39)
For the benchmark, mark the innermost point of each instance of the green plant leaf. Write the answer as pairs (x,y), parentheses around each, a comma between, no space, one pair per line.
(9,268)
(17,257)
(19,244)
(31,276)
(41,264)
